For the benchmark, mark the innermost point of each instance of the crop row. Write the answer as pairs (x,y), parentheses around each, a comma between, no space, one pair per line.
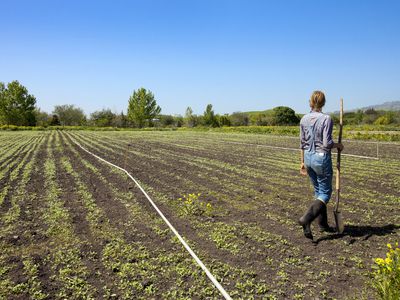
(14,202)
(83,230)
(226,175)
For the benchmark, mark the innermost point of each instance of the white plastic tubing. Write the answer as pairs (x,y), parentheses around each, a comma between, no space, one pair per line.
(293,149)
(199,262)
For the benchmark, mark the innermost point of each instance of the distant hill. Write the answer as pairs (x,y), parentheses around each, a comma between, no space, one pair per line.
(393,105)
(266,112)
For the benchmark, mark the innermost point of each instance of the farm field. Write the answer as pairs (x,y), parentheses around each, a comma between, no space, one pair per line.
(73,227)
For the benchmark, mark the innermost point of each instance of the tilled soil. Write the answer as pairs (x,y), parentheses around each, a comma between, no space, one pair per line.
(259,208)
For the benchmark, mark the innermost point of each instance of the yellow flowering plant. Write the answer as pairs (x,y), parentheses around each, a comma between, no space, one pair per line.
(386,275)
(192,205)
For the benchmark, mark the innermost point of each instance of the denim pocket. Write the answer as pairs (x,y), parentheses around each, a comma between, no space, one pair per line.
(328,165)
(318,163)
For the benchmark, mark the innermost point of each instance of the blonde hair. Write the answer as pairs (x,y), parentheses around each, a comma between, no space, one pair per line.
(317,100)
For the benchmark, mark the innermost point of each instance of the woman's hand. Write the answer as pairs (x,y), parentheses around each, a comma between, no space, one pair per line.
(339,146)
(303,170)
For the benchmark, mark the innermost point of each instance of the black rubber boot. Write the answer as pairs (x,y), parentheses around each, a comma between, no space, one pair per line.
(322,220)
(313,211)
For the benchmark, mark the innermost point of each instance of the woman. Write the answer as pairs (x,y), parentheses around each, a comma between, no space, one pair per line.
(316,145)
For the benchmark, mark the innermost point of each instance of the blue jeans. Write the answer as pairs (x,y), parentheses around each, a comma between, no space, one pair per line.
(319,169)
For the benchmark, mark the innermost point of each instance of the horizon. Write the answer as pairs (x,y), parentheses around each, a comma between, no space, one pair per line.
(236,55)
(258,111)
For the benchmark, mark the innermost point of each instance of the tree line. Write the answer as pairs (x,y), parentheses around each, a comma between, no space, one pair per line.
(18,107)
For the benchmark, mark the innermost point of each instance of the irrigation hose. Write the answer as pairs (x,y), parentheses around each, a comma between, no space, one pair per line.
(297,149)
(199,262)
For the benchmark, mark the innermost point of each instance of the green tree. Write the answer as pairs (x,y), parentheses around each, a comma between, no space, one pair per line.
(69,115)
(42,118)
(179,121)
(209,117)
(370,116)
(190,119)
(239,119)
(120,120)
(17,106)
(142,108)
(358,117)
(167,120)
(224,120)
(259,119)
(55,121)
(102,118)
(284,115)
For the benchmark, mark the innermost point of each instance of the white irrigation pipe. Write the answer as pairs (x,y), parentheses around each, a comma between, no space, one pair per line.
(294,149)
(199,262)
(282,137)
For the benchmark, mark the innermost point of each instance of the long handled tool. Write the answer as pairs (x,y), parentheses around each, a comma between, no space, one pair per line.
(336,212)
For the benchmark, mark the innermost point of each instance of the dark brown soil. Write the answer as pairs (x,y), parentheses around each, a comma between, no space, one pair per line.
(341,259)
(354,236)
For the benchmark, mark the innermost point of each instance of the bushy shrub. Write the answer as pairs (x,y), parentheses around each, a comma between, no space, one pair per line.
(386,276)
(385,119)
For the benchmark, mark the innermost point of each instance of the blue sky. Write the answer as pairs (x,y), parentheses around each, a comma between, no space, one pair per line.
(236,55)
